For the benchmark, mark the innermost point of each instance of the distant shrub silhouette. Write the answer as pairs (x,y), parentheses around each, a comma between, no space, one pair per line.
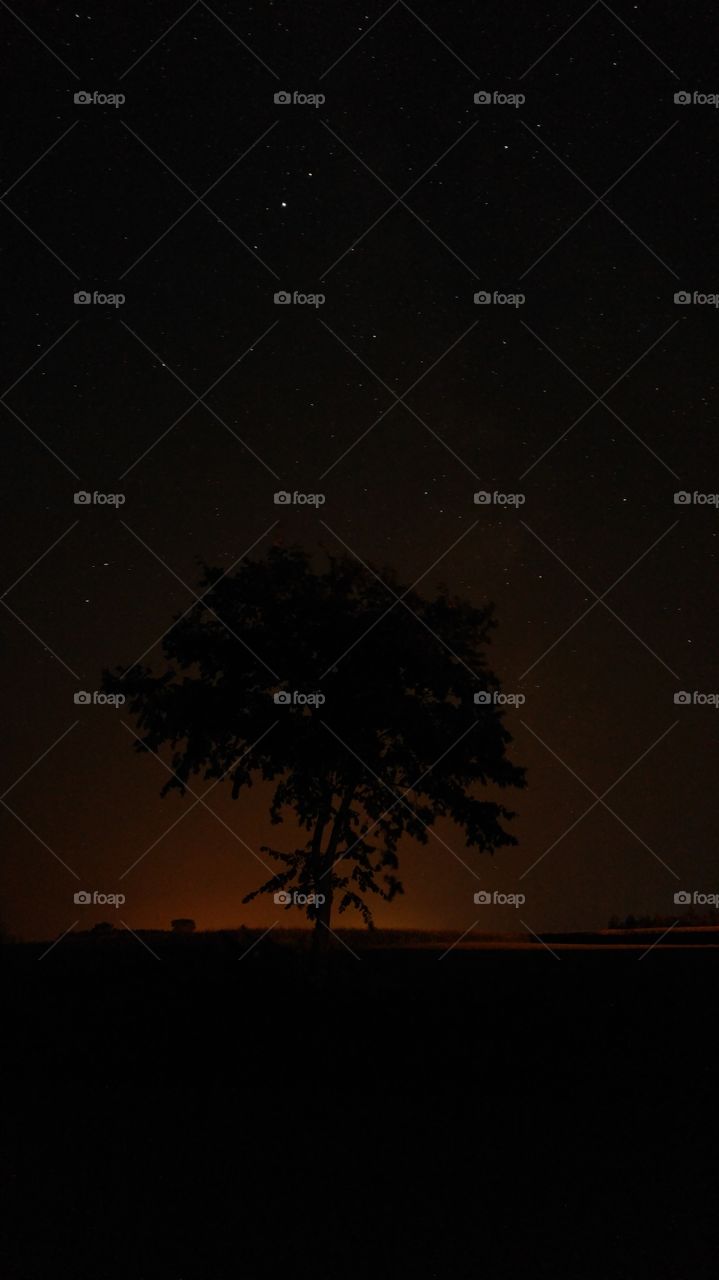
(182,926)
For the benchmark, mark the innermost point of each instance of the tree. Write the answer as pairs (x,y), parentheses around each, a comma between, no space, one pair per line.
(362,716)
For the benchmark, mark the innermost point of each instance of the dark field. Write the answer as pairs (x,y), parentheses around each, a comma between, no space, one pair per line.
(498,1112)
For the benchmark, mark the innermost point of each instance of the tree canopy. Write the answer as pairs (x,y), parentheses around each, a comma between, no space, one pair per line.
(353,698)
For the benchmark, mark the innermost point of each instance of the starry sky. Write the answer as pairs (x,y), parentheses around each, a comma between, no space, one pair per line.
(397,199)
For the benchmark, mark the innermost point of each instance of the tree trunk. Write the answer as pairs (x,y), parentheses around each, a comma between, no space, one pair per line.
(323,881)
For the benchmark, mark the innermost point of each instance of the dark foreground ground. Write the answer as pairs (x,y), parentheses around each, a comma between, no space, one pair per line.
(499,1113)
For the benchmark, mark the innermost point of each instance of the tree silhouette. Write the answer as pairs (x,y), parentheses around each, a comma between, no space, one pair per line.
(397,743)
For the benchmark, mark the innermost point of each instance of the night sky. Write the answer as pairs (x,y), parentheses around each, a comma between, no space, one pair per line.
(399,398)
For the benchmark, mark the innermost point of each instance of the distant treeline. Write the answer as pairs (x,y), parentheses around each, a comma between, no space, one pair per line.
(689,920)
